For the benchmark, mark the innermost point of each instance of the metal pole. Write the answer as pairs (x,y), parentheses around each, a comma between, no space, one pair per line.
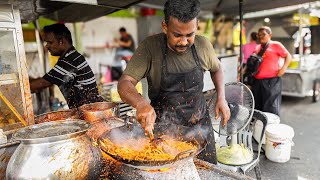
(40,46)
(301,38)
(77,34)
(241,55)
(43,105)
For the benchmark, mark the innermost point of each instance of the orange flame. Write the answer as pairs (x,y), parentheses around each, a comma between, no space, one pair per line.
(158,170)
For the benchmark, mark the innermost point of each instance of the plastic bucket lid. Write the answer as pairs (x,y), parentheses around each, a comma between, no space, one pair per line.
(281,132)
(272,118)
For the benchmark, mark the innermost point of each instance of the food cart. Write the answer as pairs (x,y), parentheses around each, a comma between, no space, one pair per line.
(303,80)
(15,98)
(14,82)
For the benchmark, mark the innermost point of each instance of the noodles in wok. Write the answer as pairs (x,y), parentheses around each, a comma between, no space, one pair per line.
(143,150)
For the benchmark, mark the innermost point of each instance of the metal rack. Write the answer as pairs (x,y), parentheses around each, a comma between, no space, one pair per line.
(107,95)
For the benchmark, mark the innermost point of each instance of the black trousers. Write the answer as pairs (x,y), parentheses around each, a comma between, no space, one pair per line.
(267,94)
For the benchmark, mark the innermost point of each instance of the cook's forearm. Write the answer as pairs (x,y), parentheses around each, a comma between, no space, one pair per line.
(217,78)
(128,93)
(38,84)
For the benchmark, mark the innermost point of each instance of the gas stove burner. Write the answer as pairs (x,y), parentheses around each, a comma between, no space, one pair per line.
(119,171)
(158,170)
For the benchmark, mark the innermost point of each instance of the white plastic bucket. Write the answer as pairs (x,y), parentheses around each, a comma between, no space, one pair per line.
(272,119)
(279,142)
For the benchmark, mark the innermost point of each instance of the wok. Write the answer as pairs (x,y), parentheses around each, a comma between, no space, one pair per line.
(181,133)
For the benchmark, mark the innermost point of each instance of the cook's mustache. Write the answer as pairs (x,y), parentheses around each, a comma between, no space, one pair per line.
(186,46)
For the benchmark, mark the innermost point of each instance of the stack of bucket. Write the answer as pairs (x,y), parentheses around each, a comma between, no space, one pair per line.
(277,139)
(272,119)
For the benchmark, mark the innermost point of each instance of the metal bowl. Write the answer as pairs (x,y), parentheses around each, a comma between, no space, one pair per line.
(56,116)
(98,111)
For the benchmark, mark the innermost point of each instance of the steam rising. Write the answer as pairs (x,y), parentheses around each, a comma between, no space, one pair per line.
(194,129)
(132,137)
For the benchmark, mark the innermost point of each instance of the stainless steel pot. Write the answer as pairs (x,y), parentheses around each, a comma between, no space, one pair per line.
(55,150)
(6,151)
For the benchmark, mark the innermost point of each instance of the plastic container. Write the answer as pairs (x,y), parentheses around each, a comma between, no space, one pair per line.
(3,137)
(293,64)
(272,119)
(279,142)
(115,97)
(147,11)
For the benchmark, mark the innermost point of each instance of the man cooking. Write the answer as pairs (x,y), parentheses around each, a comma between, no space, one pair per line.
(72,74)
(174,63)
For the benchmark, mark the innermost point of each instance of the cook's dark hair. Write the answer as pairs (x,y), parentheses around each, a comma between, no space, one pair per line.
(183,10)
(254,36)
(60,31)
(122,29)
(265,28)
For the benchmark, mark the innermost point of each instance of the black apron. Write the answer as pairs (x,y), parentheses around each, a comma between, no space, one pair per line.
(181,101)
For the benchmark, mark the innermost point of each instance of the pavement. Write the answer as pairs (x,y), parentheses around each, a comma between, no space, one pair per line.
(304,117)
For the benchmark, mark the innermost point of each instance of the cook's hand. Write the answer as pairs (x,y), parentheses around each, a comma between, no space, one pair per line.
(281,72)
(222,106)
(146,116)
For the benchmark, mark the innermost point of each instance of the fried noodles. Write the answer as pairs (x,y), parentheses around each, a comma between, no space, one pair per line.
(147,152)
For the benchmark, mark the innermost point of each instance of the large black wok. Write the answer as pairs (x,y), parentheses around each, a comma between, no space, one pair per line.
(178,132)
